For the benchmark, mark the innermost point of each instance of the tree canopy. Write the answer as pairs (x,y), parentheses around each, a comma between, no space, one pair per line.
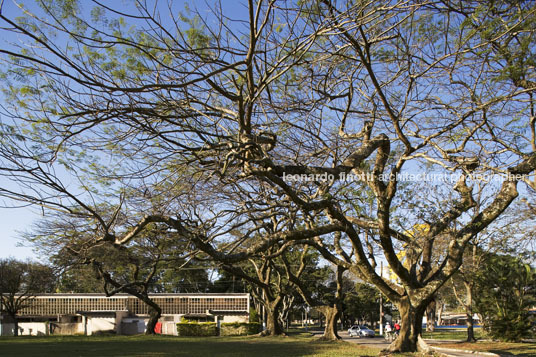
(19,283)
(283,123)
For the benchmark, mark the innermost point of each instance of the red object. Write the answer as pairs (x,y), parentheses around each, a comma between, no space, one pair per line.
(397,327)
(158,328)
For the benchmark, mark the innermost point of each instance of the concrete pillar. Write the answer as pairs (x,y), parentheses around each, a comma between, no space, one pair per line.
(84,323)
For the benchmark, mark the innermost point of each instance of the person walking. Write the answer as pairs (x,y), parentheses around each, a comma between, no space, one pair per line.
(388,332)
(397,328)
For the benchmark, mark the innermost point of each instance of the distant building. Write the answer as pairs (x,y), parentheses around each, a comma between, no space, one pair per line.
(67,314)
(455,319)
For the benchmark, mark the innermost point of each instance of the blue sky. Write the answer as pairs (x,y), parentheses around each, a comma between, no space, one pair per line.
(13,220)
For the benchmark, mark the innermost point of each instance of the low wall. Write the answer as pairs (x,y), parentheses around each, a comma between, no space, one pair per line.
(26,329)
(100,325)
(133,325)
(33,328)
(7,328)
(66,328)
(235,318)
(169,328)
(132,328)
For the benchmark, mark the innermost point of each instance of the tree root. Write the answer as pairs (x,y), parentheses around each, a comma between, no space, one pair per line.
(422,347)
(329,339)
(266,333)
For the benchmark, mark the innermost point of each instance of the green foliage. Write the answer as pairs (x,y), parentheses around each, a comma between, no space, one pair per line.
(516,52)
(79,279)
(196,35)
(254,315)
(227,283)
(239,328)
(19,281)
(194,328)
(506,289)
(199,89)
(363,303)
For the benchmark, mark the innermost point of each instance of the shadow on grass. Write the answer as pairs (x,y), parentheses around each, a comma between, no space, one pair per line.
(500,348)
(176,346)
(515,351)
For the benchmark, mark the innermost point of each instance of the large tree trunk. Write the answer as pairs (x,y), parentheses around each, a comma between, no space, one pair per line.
(15,324)
(331,313)
(410,337)
(273,328)
(154,314)
(469,313)
(431,316)
(284,311)
(470,328)
(440,314)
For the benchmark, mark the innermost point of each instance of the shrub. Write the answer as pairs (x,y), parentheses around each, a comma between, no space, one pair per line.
(254,316)
(194,328)
(104,333)
(239,328)
(504,294)
(510,327)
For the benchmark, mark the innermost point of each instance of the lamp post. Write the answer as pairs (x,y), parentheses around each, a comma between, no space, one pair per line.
(306,317)
(381,301)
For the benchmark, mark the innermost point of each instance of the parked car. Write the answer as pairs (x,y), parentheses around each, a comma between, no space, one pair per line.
(360,331)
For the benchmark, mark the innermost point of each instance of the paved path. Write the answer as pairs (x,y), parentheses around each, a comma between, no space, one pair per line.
(376,342)
(379,342)
(454,353)
(461,354)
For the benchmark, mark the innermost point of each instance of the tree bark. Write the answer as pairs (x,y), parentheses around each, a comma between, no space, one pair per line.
(331,313)
(284,311)
(431,316)
(440,314)
(272,310)
(469,313)
(273,328)
(155,312)
(410,336)
(470,328)
(15,324)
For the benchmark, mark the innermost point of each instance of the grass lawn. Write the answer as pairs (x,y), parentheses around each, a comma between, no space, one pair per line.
(295,345)
(452,334)
(501,348)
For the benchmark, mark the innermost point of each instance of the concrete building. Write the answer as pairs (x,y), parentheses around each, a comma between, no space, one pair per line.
(90,314)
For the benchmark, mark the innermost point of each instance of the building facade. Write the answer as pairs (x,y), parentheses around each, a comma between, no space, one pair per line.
(122,313)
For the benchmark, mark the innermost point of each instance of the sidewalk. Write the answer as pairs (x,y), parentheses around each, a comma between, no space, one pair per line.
(458,352)
(380,343)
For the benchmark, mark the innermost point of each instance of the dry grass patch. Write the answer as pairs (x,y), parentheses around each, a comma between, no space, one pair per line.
(502,348)
(246,346)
